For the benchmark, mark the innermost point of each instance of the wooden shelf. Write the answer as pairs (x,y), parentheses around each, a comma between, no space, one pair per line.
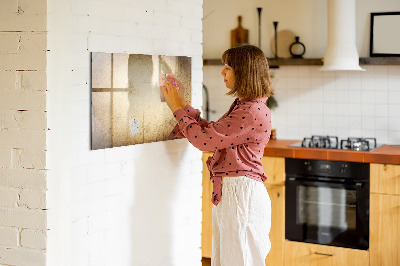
(274,63)
(380,61)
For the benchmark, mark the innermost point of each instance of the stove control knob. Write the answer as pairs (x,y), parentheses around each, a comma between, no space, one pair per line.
(343,168)
(308,166)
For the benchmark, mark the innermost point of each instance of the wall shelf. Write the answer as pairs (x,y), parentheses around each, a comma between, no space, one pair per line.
(274,63)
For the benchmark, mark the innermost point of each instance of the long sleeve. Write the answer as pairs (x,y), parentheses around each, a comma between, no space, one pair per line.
(229,131)
(193,113)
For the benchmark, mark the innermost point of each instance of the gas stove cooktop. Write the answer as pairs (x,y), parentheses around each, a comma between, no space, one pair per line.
(332,142)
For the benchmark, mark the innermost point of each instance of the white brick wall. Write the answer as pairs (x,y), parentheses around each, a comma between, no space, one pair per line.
(134,205)
(23,132)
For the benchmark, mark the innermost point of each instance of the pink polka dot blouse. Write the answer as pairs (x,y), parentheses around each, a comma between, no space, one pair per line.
(238,139)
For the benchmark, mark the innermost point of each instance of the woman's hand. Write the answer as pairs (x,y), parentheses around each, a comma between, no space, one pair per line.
(174,94)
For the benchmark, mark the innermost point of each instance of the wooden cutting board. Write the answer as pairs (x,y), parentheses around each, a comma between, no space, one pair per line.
(239,35)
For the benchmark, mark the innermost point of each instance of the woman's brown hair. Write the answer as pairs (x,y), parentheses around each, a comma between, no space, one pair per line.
(250,66)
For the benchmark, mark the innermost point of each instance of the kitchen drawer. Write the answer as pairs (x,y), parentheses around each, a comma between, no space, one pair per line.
(305,254)
(385,178)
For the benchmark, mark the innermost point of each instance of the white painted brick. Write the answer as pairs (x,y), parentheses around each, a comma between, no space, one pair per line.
(23,178)
(36,7)
(24,22)
(178,7)
(8,237)
(34,120)
(97,172)
(33,159)
(33,199)
(9,42)
(134,45)
(33,239)
(98,222)
(8,197)
(5,158)
(35,140)
(7,80)
(20,217)
(190,22)
(114,186)
(197,10)
(168,19)
(31,56)
(8,6)
(31,80)
(17,256)
(23,100)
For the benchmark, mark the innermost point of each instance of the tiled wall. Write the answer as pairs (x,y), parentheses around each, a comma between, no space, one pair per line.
(313,102)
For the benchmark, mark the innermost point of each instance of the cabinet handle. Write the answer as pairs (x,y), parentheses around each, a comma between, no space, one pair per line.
(324,254)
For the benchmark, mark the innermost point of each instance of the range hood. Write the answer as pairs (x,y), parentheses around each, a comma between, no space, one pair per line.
(341,51)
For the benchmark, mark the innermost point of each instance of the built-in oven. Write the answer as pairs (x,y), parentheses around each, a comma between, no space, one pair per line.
(327,202)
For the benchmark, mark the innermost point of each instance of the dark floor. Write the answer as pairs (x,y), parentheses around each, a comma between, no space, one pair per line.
(206,261)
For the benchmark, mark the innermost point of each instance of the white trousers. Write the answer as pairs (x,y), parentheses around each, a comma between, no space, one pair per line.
(241,223)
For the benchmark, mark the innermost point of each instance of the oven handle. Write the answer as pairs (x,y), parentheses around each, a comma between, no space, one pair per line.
(324,254)
(357,185)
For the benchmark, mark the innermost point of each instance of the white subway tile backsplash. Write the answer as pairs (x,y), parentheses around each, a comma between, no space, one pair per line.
(393,71)
(355,96)
(355,132)
(355,122)
(382,123)
(342,96)
(342,122)
(381,110)
(381,97)
(292,83)
(394,137)
(394,123)
(380,71)
(381,84)
(394,97)
(329,109)
(351,102)
(381,136)
(367,110)
(291,71)
(367,96)
(394,82)
(394,110)
(368,123)
(304,82)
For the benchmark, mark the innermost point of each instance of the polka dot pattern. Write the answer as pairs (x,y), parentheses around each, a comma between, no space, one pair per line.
(238,139)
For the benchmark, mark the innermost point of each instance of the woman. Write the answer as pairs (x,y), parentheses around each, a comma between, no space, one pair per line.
(242,208)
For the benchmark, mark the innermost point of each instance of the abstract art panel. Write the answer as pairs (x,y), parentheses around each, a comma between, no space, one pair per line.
(126,103)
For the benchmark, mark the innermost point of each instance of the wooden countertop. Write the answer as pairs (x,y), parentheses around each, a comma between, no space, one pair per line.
(389,154)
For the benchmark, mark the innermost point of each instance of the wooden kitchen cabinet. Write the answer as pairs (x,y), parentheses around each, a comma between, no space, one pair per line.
(206,226)
(385,178)
(274,168)
(305,254)
(385,215)
(277,233)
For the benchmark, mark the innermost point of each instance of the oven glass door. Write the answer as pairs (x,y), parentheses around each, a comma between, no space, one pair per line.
(326,213)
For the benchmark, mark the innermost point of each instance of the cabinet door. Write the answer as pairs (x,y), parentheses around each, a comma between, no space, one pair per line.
(384,230)
(304,254)
(385,178)
(206,232)
(277,233)
(274,168)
